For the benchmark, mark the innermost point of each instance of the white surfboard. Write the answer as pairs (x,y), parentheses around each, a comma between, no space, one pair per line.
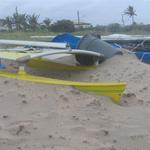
(34,43)
(22,56)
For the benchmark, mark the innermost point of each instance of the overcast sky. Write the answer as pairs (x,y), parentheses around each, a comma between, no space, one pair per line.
(93,11)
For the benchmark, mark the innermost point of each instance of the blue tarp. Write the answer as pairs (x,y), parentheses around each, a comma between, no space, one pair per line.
(144,56)
(2,66)
(67,38)
(73,42)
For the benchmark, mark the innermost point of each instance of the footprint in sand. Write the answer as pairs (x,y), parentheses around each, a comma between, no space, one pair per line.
(107,146)
(128,99)
(21,128)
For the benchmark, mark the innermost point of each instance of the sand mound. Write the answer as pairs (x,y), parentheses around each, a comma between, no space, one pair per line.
(42,117)
(125,68)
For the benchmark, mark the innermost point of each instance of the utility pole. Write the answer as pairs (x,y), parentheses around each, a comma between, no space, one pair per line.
(123,19)
(78,16)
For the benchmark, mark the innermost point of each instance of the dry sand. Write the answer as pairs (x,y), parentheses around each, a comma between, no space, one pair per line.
(51,117)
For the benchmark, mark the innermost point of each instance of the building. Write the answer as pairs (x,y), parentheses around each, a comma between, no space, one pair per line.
(82,25)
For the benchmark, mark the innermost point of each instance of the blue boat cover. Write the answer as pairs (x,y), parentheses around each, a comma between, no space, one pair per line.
(67,38)
(2,66)
(144,56)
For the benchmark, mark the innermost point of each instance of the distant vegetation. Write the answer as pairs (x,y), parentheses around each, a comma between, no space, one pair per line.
(30,24)
(25,22)
(63,26)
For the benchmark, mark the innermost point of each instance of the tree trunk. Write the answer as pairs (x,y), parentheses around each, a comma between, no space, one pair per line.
(133,20)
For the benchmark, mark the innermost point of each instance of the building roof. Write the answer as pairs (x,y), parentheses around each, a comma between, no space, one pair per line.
(81,23)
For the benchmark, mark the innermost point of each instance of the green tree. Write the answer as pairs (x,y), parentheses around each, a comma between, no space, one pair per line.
(9,22)
(114,27)
(16,19)
(33,22)
(63,26)
(24,21)
(47,23)
(131,12)
(20,20)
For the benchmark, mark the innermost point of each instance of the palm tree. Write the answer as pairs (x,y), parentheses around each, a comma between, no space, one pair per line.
(16,18)
(20,20)
(47,23)
(33,21)
(23,19)
(131,13)
(8,21)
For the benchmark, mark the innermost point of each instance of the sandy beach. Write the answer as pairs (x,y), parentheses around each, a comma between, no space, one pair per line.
(53,117)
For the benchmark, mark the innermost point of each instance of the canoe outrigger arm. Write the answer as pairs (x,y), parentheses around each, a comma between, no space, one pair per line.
(113,90)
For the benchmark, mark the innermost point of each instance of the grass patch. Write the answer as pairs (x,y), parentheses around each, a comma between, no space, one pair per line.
(22,35)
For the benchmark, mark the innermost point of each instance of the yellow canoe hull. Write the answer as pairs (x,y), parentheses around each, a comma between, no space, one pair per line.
(113,90)
(44,64)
